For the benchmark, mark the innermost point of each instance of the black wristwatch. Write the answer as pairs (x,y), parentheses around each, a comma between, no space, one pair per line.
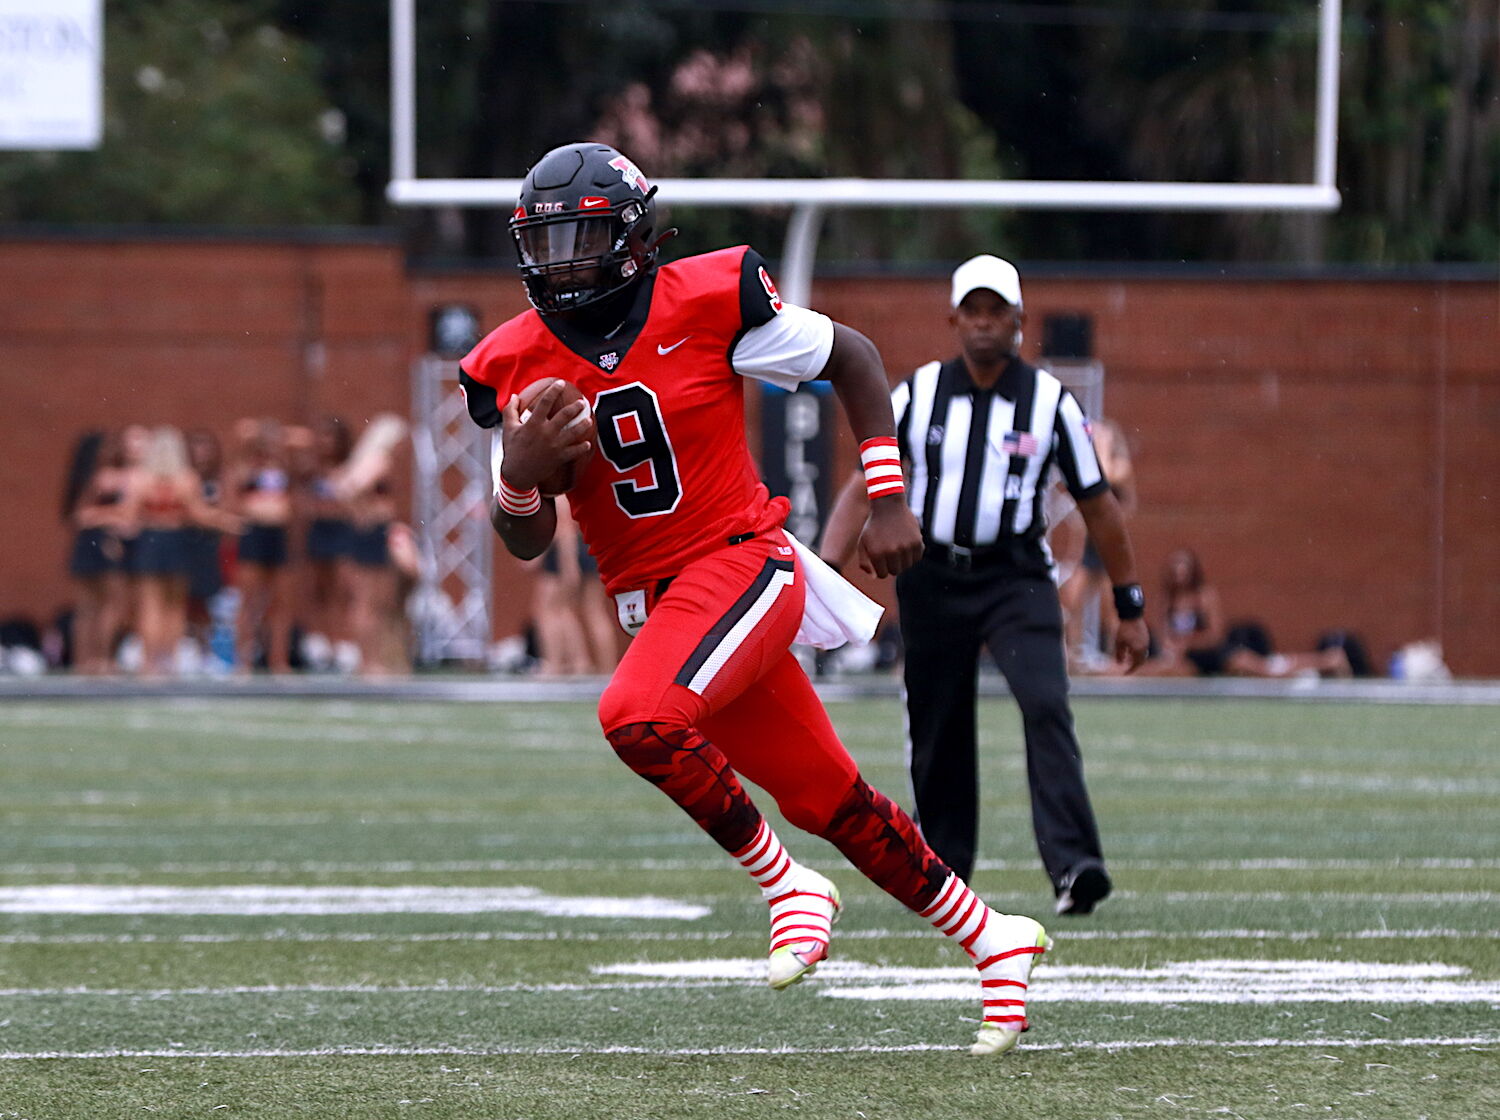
(1130,601)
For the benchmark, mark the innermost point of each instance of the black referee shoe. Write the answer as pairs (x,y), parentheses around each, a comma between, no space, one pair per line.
(1084,888)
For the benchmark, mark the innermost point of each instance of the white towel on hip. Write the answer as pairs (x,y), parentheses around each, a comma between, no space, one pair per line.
(835,612)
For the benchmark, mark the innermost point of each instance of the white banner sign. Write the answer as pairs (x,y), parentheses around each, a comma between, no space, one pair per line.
(51,74)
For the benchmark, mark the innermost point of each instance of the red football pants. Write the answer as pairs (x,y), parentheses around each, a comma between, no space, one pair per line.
(710,689)
(714,655)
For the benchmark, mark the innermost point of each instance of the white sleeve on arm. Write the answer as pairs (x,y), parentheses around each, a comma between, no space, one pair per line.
(1076,456)
(791,348)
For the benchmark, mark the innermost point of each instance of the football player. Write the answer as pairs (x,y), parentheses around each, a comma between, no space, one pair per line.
(691,547)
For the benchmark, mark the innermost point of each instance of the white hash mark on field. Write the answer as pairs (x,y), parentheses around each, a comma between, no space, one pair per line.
(247,900)
(705,1052)
(1205,981)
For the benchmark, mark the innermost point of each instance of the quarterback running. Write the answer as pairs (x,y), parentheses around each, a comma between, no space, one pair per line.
(690,545)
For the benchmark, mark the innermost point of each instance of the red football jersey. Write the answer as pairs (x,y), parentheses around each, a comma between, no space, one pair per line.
(671,478)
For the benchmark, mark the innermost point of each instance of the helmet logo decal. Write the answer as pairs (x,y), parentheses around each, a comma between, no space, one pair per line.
(630,173)
(548,207)
(770,286)
(593,202)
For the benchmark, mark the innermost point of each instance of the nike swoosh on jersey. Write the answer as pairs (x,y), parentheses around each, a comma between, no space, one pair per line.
(660,349)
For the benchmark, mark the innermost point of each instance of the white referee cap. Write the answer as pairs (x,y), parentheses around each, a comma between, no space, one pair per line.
(985,271)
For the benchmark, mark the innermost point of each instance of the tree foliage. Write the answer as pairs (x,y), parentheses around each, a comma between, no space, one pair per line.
(213,114)
(277,111)
(1420,162)
(1419,126)
(809,98)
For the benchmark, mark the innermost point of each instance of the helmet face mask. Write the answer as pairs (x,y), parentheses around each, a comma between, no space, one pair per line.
(582,227)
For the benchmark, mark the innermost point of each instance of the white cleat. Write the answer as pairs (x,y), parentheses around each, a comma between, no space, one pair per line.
(994,1040)
(1004,952)
(802,916)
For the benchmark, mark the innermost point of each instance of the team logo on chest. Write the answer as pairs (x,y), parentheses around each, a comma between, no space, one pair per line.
(607,362)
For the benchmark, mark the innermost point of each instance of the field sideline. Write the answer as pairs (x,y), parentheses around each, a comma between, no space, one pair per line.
(393,907)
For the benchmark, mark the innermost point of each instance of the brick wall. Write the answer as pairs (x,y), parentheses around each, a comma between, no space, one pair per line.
(103,333)
(1324,443)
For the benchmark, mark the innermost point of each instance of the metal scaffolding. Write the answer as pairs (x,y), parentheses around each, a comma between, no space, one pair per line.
(451,487)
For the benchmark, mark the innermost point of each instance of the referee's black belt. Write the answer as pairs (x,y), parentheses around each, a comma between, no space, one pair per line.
(963,559)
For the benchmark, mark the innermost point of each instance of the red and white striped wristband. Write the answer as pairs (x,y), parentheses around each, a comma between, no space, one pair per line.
(518,503)
(881,458)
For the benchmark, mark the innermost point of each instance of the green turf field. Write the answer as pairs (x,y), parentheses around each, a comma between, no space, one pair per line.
(381,909)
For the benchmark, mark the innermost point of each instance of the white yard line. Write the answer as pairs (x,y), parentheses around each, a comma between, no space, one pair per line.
(314,727)
(223,817)
(261,898)
(1420,898)
(1423,863)
(1472,1041)
(92,899)
(64,827)
(1238,777)
(1065,936)
(1227,982)
(366,989)
(397,867)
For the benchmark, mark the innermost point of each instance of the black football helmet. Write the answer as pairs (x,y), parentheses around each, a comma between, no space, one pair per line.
(583,227)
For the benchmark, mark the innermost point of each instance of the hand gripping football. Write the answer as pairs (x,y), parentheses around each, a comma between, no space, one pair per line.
(566,476)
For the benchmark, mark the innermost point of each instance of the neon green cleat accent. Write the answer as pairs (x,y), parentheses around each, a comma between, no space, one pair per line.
(790,966)
(811,902)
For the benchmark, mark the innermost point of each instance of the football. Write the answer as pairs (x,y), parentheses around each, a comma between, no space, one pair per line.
(566,476)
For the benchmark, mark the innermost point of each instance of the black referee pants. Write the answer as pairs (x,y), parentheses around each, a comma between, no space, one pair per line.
(947,616)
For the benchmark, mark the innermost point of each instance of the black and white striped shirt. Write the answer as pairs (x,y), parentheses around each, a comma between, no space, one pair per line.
(979,458)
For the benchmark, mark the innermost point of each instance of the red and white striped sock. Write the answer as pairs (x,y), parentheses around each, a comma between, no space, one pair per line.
(803,903)
(1002,946)
(766,861)
(958,913)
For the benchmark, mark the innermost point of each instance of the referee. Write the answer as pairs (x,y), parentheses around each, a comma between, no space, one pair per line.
(977,437)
